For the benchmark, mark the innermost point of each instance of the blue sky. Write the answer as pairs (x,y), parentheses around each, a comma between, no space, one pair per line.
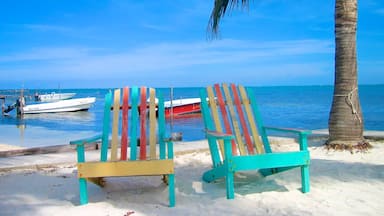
(163,43)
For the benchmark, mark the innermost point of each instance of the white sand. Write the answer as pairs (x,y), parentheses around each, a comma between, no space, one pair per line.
(6,147)
(341,184)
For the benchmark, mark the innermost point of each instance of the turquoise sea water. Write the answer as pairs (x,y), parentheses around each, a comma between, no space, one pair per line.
(305,107)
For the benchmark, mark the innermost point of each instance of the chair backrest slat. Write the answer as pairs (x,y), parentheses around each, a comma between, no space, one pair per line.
(232,109)
(115,125)
(215,115)
(234,120)
(143,126)
(130,117)
(243,122)
(223,110)
(251,120)
(124,126)
(134,121)
(106,125)
(152,123)
(161,126)
(263,135)
(216,154)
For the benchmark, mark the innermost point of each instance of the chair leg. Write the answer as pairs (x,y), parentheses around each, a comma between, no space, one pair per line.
(83,191)
(305,178)
(171,188)
(165,179)
(230,185)
(208,176)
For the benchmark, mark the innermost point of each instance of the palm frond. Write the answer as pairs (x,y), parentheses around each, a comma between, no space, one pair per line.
(218,11)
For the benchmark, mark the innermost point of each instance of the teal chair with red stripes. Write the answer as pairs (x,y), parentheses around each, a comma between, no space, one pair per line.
(133,141)
(238,139)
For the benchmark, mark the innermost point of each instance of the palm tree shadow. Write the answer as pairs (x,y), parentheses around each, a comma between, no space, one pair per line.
(190,183)
(45,189)
(41,188)
(48,188)
(342,171)
(252,182)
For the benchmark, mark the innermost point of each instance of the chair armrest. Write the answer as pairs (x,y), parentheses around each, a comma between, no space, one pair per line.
(86,140)
(291,130)
(302,135)
(225,143)
(219,135)
(80,146)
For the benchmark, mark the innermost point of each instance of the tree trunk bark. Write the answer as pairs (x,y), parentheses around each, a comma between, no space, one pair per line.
(346,124)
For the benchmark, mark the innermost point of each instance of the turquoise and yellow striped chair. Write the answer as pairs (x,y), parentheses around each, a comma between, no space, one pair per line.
(142,121)
(238,140)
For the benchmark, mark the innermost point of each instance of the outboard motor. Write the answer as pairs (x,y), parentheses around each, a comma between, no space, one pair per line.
(37,97)
(8,109)
(20,103)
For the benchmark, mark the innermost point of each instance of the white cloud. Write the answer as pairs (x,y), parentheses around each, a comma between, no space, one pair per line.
(173,60)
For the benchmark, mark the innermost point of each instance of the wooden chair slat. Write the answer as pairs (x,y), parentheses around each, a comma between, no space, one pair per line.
(223,110)
(152,123)
(251,120)
(106,126)
(121,168)
(115,125)
(143,122)
(258,119)
(233,117)
(242,120)
(124,126)
(215,115)
(161,126)
(209,123)
(134,122)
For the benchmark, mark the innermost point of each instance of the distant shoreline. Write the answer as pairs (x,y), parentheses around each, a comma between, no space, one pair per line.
(175,87)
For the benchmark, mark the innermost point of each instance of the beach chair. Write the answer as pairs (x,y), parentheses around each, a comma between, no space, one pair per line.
(133,148)
(238,140)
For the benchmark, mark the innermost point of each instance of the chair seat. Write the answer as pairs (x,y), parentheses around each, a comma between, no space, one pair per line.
(125,168)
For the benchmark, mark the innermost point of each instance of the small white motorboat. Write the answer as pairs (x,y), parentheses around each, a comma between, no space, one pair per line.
(53,97)
(69,105)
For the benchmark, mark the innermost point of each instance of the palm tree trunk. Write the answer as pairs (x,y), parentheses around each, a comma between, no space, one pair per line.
(346,121)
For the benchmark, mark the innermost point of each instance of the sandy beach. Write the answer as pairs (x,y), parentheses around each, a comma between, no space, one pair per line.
(7,147)
(341,184)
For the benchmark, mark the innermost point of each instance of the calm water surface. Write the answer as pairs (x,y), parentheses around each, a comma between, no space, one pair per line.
(305,107)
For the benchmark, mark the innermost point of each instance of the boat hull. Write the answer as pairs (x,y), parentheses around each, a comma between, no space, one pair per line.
(182,107)
(70,105)
(183,110)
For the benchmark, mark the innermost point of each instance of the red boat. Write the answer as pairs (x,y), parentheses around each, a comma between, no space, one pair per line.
(182,107)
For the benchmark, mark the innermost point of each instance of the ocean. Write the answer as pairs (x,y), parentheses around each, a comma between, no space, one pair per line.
(305,107)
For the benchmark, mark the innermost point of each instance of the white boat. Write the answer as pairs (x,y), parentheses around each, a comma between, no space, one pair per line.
(181,102)
(70,105)
(54,97)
